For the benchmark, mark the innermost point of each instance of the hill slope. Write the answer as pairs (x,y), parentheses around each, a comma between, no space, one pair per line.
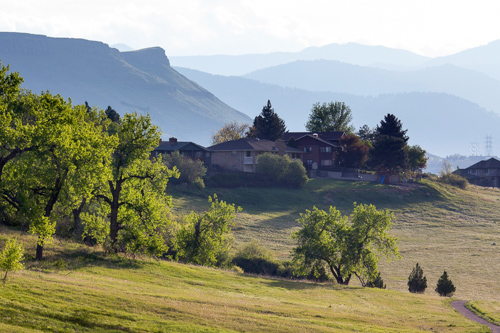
(140,81)
(80,290)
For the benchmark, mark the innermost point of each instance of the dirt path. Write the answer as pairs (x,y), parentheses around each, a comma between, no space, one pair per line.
(460,306)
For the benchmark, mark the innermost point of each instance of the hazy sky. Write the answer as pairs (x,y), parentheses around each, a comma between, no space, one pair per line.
(196,27)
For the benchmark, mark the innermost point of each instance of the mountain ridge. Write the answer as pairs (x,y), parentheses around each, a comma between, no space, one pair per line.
(140,81)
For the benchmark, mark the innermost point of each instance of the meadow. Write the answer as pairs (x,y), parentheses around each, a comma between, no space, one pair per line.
(79,289)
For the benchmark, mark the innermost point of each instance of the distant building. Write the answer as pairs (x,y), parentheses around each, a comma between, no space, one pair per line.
(320,149)
(187,149)
(241,154)
(483,173)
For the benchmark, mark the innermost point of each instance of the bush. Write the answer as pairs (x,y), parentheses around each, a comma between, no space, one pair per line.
(191,171)
(255,259)
(417,282)
(454,180)
(378,282)
(444,286)
(281,171)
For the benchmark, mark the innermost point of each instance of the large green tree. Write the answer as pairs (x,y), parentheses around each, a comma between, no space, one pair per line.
(68,151)
(268,125)
(346,245)
(330,117)
(134,192)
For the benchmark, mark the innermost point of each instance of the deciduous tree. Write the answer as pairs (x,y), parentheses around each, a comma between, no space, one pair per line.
(135,189)
(330,117)
(229,132)
(11,257)
(346,247)
(354,152)
(206,235)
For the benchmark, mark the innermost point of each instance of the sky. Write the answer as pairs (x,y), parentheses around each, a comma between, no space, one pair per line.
(206,27)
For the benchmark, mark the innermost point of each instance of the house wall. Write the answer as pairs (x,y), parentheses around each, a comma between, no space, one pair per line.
(315,155)
(234,161)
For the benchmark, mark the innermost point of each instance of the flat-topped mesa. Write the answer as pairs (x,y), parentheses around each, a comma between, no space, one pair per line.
(152,55)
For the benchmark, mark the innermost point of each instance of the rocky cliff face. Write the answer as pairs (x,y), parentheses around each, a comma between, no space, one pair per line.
(136,81)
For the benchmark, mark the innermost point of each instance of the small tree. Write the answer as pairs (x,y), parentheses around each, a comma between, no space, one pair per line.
(229,132)
(417,282)
(202,240)
(444,286)
(11,257)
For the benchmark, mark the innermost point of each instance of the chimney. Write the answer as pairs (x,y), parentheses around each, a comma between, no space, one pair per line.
(280,145)
(172,141)
(159,143)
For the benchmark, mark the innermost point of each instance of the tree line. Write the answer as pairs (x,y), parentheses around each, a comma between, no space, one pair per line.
(383,148)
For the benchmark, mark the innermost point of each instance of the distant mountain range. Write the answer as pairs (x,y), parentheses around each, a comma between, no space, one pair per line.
(446,103)
(141,81)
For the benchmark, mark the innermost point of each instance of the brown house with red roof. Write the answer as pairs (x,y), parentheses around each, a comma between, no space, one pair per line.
(241,155)
(320,149)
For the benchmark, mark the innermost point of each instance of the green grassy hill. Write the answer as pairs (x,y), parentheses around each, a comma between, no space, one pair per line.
(78,290)
(442,228)
(438,226)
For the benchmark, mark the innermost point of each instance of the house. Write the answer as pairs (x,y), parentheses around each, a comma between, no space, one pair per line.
(320,149)
(483,173)
(187,149)
(241,154)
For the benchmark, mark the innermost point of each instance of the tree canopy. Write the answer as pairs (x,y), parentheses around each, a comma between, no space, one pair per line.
(268,125)
(347,245)
(354,152)
(330,117)
(229,132)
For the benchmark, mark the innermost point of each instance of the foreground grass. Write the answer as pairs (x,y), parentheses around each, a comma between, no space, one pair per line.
(486,309)
(97,294)
(438,226)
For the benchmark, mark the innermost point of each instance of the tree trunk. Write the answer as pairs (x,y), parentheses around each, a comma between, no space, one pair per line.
(114,205)
(39,252)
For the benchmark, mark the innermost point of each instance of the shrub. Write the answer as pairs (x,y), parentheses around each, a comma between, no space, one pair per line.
(191,171)
(417,282)
(454,180)
(282,171)
(444,286)
(255,259)
(378,282)
(11,257)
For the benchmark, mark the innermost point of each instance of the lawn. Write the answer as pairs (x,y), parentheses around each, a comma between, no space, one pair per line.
(78,290)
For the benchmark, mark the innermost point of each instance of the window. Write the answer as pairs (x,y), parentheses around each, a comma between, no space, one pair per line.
(198,154)
(472,171)
(321,149)
(328,149)
(249,153)
(309,162)
(486,171)
(326,162)
(233,153)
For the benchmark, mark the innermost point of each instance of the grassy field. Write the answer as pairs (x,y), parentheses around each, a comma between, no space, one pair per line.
(438,226)
(76,289)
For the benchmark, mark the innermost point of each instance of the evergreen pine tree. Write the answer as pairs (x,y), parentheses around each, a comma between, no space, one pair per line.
(444,286)
(268,125)
(417,282)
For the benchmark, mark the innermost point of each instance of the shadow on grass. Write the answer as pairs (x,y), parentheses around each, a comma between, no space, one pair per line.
(83,318)
(73,259)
